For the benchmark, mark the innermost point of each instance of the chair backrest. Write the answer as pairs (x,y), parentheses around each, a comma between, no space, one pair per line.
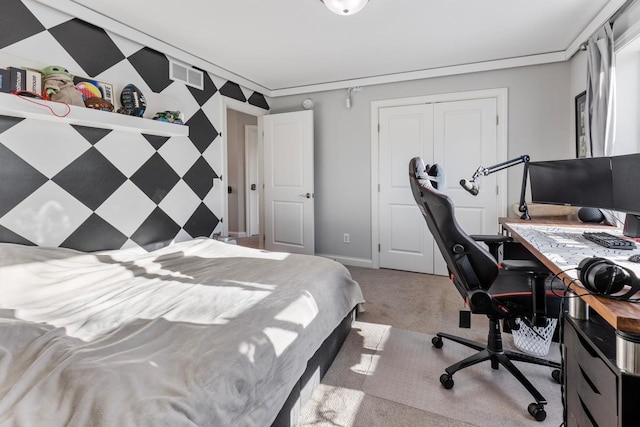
(472,267)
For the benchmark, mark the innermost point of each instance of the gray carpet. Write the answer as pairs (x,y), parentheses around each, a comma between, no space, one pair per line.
(386,373)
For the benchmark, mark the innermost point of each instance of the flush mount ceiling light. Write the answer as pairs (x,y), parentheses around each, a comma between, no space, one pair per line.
(345,7)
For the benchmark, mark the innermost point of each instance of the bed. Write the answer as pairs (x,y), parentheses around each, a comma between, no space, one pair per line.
(199,333)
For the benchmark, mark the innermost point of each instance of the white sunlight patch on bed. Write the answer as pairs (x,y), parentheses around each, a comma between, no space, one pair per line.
(93,294)
(301,312)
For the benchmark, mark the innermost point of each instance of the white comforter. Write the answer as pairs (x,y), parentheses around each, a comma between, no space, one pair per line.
(200,333)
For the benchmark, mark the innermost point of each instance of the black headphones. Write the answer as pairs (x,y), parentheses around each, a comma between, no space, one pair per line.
(605,277)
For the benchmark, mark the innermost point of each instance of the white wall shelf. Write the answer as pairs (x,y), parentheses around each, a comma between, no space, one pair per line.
(15,106)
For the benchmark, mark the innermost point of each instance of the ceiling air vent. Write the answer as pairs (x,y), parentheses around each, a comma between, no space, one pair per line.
(187,75)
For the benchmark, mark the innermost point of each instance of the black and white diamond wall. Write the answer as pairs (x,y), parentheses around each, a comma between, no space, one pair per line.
(91,188)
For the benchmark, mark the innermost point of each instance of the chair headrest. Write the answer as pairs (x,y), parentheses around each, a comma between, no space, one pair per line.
(432,174)
(436,175)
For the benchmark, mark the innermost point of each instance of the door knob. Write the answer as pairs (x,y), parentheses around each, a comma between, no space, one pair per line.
(308,195)
(253,187)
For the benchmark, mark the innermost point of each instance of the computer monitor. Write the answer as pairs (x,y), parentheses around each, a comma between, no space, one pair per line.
(625,171)
(585,182)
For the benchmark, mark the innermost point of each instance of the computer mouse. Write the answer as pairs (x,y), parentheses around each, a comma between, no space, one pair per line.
(634,258)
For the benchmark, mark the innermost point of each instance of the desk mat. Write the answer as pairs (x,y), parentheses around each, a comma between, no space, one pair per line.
(565,246)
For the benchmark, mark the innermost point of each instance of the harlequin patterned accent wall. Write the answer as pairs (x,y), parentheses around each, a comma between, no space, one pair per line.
(90,188)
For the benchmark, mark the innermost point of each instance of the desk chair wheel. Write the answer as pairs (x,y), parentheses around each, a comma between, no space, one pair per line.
(447,381)
(437,342)
(556,374)
(537,411)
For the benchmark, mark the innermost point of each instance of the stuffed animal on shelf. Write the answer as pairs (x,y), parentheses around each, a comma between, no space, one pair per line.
(57,84)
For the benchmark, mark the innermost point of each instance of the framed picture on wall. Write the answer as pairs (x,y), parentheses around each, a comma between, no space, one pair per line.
(581,130)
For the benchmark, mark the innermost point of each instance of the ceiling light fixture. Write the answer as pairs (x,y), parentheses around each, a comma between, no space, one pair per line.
(345,7)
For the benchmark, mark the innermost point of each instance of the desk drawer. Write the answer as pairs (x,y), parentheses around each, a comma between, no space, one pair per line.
(592,387)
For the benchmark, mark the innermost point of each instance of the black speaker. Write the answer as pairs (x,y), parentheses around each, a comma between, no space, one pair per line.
(590,215)
(605,277)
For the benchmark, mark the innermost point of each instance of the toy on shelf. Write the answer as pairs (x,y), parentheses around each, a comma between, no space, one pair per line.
(94,88)
(133,101)
(88,90)
(174,117)
(98,103)
(57,85)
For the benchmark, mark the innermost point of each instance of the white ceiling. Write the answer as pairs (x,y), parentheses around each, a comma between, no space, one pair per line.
(285,46)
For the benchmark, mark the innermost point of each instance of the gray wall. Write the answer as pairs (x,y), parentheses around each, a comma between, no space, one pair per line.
(539,125)
(577,84)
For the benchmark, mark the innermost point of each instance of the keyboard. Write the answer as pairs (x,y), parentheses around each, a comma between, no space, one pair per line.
(609,240)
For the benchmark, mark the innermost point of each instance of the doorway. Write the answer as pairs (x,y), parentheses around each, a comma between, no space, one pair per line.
(279,137)
(242,176)
(242,173)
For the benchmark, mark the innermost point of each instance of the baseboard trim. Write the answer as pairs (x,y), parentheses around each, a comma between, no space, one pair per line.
(354,262)
(238,234)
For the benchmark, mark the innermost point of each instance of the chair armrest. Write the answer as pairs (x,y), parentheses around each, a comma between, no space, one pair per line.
(497,238)
(525,265)
(493,242)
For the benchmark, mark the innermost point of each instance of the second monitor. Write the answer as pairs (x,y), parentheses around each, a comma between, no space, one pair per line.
(585,182)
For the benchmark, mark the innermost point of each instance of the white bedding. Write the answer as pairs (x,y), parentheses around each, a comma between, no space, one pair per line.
(200,333)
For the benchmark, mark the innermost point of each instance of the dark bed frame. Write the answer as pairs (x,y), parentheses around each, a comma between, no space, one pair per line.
(318,364)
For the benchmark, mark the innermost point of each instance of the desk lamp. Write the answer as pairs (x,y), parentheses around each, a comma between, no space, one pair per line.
(473,188)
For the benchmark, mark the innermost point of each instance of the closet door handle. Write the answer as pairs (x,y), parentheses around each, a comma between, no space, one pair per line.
(308,195)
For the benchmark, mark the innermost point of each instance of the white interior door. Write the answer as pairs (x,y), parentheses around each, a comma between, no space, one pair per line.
(466,135)
(405,242)
(288,182)
(252,173)
(459,136)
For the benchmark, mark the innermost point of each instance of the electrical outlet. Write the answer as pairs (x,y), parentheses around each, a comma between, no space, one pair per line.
(346,238)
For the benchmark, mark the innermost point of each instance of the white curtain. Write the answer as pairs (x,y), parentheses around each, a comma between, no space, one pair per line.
(600,123)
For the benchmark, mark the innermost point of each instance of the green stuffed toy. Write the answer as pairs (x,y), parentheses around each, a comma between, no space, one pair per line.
(57,84)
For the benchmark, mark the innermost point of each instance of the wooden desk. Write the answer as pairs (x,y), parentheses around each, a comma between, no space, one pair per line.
(621,315)
(601,385)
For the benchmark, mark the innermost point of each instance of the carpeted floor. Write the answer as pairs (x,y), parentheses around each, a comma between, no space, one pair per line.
(386,373)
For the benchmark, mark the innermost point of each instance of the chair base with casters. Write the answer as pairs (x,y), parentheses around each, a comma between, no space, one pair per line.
(518,289)
(494,352)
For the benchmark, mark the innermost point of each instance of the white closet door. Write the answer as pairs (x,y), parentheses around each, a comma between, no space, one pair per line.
(466,138)
(459,136)
(405,241)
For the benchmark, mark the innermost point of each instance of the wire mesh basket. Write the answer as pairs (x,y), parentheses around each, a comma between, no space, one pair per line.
(534,340)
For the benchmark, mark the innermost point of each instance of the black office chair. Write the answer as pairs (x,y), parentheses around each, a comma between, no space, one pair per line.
(500,294)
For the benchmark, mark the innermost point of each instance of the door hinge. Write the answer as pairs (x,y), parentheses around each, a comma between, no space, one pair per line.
(378,188)
(497,190)
(378,247)
(497,120)
(378,127)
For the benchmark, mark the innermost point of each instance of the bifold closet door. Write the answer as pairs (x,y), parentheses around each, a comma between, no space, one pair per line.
(459,136)
(405,241)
